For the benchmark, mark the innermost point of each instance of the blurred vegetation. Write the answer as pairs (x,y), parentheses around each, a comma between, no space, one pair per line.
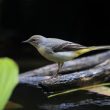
(8,79)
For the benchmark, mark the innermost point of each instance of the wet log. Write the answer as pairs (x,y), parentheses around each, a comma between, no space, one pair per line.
(93,69)
(98,74)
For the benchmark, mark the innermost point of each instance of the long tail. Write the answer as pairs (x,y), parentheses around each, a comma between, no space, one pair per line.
(88,49)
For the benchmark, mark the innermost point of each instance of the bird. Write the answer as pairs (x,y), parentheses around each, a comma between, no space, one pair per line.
(59,50)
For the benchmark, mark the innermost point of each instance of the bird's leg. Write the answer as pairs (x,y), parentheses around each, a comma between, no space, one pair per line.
(59,68)
(61,64)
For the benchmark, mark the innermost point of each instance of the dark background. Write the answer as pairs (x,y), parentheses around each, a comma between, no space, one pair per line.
(85,22)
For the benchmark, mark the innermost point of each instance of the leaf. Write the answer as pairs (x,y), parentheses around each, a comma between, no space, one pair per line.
(103,90)
(78,89)
(8,79)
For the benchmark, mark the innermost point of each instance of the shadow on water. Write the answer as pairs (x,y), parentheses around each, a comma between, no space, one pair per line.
(81,100)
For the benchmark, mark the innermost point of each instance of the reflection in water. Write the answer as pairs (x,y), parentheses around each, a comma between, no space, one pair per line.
(80,100)
(88,104)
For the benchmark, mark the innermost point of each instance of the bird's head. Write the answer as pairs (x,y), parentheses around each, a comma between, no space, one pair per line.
(34,40)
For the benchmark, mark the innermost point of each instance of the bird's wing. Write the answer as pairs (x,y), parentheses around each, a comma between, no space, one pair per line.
(62,45)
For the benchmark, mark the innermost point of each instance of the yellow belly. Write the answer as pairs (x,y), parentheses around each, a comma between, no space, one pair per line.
(58,56)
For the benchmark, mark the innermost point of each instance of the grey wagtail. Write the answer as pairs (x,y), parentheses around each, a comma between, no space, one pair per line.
(58,50)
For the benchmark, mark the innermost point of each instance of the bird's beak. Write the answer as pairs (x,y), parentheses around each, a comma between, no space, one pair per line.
(26,41)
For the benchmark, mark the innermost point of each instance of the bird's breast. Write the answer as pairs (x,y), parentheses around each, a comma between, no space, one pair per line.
(41,50)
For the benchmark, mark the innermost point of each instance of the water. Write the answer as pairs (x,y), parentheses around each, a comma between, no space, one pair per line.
(81,100)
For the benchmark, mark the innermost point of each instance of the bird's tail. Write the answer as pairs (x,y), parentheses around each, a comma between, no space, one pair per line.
(88,49)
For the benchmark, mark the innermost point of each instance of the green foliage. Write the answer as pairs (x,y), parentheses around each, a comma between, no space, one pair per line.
(8,79)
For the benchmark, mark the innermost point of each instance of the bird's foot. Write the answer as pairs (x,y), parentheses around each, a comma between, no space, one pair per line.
(54,76)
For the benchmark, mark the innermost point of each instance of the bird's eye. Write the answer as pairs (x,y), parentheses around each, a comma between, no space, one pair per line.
(32,40)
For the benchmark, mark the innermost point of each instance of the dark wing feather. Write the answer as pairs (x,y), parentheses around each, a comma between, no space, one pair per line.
(62,45)
(68,46)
